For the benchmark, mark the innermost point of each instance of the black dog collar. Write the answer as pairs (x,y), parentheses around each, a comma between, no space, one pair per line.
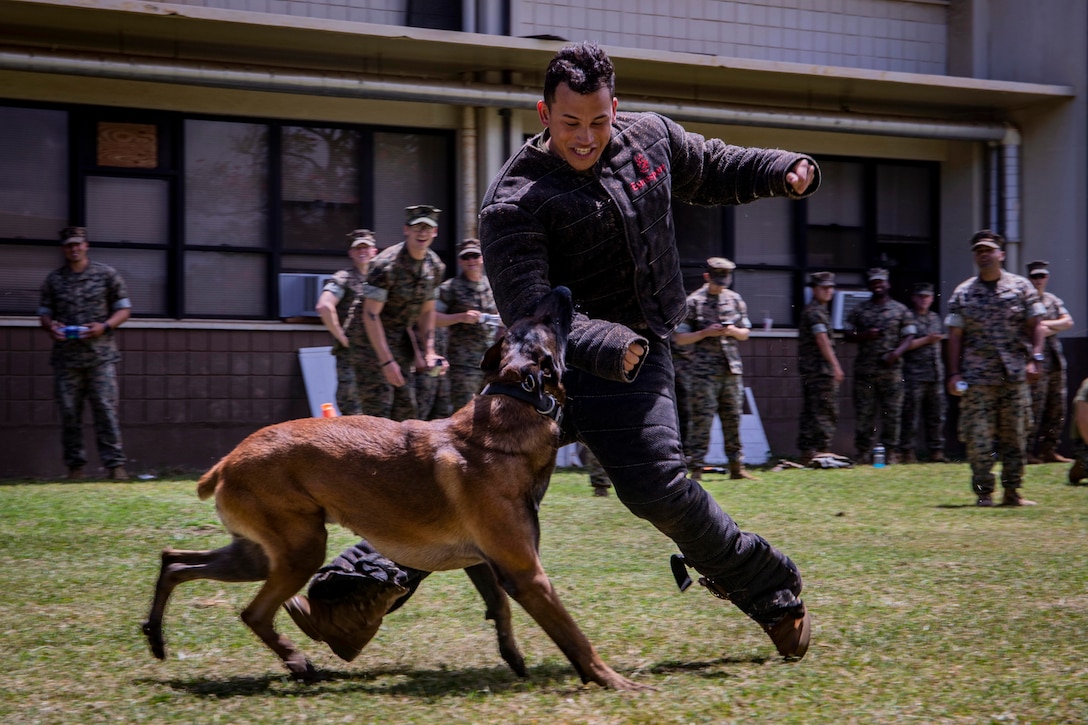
(545,403)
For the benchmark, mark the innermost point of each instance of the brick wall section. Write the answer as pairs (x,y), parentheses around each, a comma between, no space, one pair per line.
(190,395)
(187,395)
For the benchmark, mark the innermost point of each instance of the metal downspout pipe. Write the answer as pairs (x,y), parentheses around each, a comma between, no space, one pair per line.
(470,199)
(1004,193)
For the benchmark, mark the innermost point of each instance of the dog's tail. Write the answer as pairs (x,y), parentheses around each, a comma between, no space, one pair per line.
(205,487)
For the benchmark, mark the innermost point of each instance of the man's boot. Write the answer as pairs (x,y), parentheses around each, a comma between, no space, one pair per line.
(1012,497)
(908,456)
(737,472)
(1077,473)
(1049,454)
(790,630)
(806,456)
(1032,460)
(346,624)
(937,456)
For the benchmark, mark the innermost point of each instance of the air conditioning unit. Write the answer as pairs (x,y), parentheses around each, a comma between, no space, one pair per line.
(843,303)
(299,293)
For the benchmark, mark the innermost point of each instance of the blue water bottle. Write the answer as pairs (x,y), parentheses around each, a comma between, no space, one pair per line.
(879,457)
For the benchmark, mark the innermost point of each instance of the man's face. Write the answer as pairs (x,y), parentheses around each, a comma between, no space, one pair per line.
(580,125)
(418,238)
(362,254)
(472,264)
(922,302)
(75,251)
(988,257)
(879,287)
(823,293)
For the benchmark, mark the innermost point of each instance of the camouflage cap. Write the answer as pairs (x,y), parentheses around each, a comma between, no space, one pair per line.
(362,238)
(468,247)
(719,269)
(72,235)
(922,288)
(821,279)
(1038,268)
(421,214)
(988,239)
(877,273)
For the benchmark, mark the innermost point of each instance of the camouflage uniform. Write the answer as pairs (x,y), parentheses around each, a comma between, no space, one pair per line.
(876,385)
(923,395)
(468,342)
(996,407)
(433,391)
(1080,446)
(86,369)
(681,363)
(716,382)
(404,285)
(820,392)
(353,362)
(1048,393)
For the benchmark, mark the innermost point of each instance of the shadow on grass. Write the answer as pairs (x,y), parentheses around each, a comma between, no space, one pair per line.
(428,683)
(395,681)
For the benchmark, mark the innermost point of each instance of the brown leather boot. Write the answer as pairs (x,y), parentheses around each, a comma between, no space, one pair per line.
(1012,497)
(1032,460)
(937,456)
(346,625)
(1049,454)
(806,456)
(118,473)
(791,633)
(75,473)
(737,472)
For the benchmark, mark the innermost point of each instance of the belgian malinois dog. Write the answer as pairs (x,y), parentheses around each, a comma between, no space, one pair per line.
(458,493)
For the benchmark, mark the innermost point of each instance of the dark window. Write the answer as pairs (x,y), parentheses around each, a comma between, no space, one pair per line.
(201,215)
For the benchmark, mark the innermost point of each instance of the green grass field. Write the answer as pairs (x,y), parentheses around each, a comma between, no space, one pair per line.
(926,610)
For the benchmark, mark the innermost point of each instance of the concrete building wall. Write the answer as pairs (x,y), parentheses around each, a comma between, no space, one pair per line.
(892,35)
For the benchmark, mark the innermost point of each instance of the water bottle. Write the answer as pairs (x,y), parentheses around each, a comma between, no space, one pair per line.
(961,386)
(879,457)
(490,320)
(74,332)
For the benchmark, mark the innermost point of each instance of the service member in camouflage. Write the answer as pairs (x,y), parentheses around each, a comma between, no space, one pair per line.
(432,390)
(923,378)
(681,362)
(466,309)
(883,329)
(398,314)
(821,373)
(1078,434)
(91,300)
(340,306)
(717,318)
(995,344)
(1048,393)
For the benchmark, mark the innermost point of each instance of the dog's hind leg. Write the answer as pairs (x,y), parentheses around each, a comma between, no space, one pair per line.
(240,561)
(498,610)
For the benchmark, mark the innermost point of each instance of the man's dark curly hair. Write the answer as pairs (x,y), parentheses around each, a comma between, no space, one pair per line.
(584,67)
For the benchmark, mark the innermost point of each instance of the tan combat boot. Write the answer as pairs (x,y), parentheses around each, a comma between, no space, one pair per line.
(737,472)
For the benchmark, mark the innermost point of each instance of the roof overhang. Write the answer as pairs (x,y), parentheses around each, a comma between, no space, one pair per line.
(258,42)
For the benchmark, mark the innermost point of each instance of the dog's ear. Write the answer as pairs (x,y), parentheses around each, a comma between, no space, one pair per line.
(492,359)
(558,308)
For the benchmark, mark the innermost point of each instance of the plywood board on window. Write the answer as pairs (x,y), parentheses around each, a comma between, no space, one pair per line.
(128,145)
